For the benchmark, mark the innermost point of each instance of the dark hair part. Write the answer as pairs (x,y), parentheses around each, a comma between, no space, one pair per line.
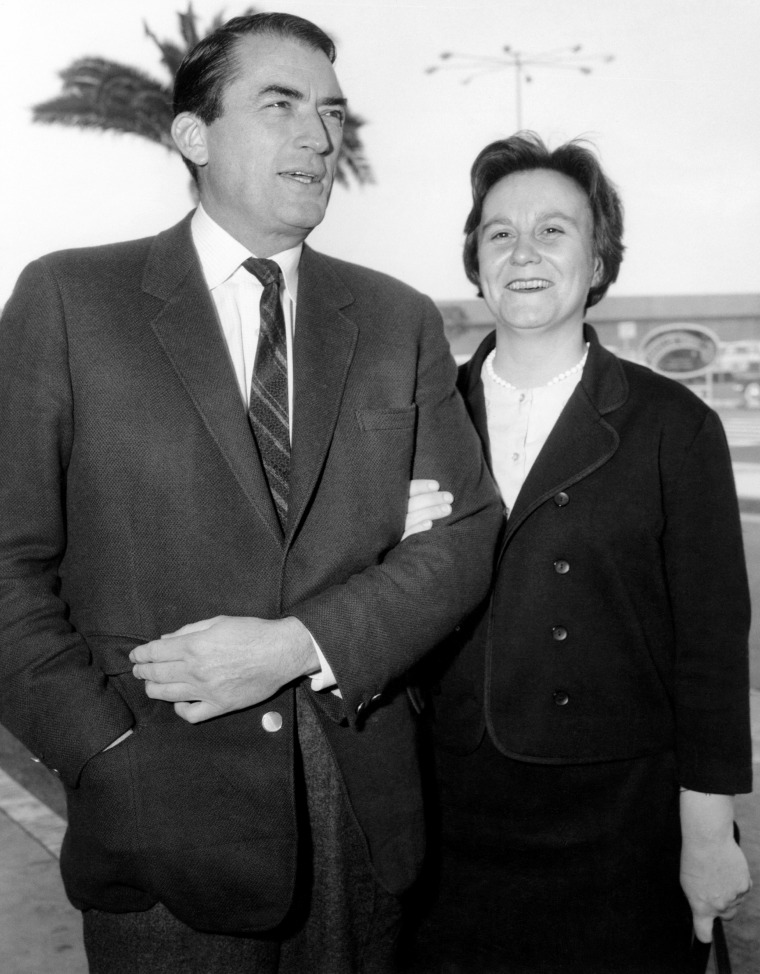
(212,65)
(525,151)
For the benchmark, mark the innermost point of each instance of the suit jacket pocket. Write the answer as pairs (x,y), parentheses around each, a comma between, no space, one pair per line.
(200,817)
(110,652)
(387,419)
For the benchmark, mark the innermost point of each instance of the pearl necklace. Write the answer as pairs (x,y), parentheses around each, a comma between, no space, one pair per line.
(552,382)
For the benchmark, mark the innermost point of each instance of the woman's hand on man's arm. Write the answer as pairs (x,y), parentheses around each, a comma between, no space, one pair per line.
(427,503)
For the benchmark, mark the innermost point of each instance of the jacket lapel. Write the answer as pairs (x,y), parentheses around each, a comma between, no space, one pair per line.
(325,340)
(189,333)
(581,441)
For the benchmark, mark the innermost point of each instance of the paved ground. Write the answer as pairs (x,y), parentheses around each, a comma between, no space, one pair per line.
(41,934)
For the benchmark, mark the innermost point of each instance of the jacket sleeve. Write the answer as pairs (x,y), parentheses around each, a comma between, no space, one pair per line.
(51,695)
(707,581)
(381,621)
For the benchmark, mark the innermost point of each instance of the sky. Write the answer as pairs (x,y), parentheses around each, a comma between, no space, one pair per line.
(675,119)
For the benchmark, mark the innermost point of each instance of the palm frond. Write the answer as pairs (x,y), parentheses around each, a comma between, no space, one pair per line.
(352,156)
(171,54)
(187,28)
(103,94)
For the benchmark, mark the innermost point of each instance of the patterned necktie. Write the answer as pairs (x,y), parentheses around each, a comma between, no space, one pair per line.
(268,406)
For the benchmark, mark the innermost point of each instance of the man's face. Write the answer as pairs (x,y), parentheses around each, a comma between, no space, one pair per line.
(270,157)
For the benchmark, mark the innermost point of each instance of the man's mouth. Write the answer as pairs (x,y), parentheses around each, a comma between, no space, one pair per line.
(534,284)
(307,178)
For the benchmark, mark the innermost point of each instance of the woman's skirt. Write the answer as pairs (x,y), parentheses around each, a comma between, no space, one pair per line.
(557,869)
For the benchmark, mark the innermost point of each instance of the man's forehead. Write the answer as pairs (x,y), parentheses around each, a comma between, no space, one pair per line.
(273,58)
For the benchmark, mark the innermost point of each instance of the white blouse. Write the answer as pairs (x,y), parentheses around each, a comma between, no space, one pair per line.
(519,423)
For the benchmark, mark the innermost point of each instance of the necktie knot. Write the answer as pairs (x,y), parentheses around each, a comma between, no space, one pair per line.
(267,271)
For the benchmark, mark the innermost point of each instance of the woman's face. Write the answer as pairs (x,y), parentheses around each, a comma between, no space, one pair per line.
(535,251)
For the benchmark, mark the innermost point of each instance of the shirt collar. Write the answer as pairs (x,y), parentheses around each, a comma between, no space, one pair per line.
(221,254)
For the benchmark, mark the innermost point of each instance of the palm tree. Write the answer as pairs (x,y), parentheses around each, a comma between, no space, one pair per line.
(102,94)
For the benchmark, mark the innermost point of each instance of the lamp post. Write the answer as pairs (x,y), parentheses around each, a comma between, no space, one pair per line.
(566,58)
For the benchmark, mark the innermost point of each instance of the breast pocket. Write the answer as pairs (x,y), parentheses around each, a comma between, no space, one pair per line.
(371,420)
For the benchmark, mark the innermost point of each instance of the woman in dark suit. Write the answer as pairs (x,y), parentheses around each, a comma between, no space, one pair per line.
(592,724)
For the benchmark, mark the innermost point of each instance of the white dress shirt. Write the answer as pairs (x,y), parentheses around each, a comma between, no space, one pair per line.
(236,294)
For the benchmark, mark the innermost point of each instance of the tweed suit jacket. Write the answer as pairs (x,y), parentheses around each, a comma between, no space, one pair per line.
(133,501)
(618,623)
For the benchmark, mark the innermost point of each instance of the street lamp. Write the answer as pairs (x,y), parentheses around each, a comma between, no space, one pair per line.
(566,58)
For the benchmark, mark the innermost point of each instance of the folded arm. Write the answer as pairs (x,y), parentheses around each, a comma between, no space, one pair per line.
(213,666)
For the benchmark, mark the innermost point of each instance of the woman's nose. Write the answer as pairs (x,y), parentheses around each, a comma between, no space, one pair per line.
(524,251)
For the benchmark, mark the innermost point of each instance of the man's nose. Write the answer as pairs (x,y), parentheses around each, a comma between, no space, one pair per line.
(314,134)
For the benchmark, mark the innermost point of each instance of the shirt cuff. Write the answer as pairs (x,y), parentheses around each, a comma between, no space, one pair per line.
(325,678)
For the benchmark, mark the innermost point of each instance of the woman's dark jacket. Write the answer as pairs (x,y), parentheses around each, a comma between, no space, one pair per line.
(618,624)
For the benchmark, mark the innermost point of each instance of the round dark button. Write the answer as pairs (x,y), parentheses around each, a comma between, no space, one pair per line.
(561,698)
(561,499)
(561,567)
(559,633)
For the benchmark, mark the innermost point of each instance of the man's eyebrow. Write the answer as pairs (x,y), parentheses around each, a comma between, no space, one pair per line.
(296,95)
(336,100)
(282,90)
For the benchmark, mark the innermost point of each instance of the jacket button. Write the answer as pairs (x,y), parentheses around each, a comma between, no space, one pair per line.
(561,567)
(271,721)
(561,698)
(559,633)
(561,499)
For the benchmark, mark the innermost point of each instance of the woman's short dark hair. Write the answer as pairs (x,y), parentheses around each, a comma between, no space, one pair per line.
(525,151)
(211,66)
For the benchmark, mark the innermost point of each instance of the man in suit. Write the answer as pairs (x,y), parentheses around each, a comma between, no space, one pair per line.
(207,612)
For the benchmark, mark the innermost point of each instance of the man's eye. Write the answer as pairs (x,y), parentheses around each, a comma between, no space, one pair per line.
(335,114)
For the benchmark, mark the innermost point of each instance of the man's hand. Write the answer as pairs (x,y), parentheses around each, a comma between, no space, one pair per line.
(714,872)
(223,664)
(427,503)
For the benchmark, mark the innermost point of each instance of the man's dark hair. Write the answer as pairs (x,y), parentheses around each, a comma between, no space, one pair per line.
(212,65)
(526,151)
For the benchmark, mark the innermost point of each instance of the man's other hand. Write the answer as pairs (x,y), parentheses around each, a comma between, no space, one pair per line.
(223,664)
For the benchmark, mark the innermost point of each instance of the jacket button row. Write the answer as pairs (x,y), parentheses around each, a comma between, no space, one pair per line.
(559,633)
(561,698)
(561,499)
(561,567)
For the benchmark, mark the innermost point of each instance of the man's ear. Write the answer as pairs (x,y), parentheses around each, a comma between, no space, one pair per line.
(189,134)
